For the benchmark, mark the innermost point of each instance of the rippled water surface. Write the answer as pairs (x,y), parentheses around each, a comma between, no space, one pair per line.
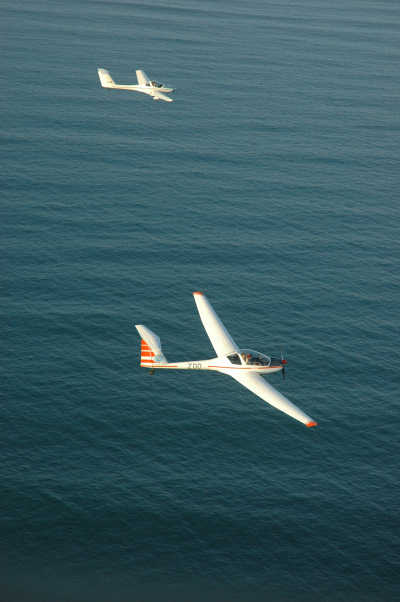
(271,183)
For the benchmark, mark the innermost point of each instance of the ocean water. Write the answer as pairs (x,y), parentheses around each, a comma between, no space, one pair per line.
(272,184)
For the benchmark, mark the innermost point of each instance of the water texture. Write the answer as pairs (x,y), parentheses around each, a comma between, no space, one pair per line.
(271,183)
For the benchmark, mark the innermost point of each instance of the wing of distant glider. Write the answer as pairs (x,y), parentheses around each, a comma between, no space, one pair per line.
(257,385)
(160,96)
(142,78)
(220,338)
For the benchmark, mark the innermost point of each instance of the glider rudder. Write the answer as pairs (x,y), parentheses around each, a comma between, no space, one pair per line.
(105,78)
(150,348)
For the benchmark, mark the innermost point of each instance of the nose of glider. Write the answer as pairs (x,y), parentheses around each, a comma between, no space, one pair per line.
(283,364)
(279,362)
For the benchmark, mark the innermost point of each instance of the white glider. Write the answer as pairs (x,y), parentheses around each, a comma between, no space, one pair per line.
(144,85)
(244,365)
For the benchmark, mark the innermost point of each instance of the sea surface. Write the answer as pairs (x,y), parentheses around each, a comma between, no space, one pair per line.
(271,184)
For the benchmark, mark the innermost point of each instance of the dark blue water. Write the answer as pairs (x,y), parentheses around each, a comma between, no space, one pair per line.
(271,183)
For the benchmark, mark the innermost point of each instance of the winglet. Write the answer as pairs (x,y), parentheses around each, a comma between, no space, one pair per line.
(312,423)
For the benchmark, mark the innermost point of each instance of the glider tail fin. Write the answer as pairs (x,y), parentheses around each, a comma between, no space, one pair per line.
(150,349)
(105,78)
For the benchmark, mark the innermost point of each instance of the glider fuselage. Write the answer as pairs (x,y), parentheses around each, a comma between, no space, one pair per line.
(219,364)
(138,88)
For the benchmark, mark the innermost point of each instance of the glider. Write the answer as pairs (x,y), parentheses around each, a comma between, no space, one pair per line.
(244,365)
(144,85)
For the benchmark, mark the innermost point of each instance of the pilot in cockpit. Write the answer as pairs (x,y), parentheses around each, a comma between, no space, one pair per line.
(246,357)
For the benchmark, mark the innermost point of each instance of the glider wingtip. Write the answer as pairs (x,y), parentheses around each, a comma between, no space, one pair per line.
(312,423)
(198,293)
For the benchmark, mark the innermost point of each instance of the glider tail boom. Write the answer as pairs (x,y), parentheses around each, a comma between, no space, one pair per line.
(150,349)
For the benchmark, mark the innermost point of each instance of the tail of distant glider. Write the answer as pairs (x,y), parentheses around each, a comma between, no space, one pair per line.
(150,350)
(105,78)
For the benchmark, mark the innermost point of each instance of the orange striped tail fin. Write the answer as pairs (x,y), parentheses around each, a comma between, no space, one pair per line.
(146,355)
(151,354)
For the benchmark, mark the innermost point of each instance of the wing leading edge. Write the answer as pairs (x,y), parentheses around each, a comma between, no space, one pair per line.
(220,338)
(257,385)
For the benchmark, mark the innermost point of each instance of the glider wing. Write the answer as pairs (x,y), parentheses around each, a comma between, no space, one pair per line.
(160,96)
(142,78)
(220,338)
(257,385)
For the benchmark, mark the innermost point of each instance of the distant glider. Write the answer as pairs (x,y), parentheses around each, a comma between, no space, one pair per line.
(244,365)
(144,85)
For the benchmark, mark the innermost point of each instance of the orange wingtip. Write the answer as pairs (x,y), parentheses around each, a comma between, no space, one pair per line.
(312,423)
(198,293)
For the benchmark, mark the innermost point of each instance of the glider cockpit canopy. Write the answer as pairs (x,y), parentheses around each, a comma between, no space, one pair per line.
(249,357)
